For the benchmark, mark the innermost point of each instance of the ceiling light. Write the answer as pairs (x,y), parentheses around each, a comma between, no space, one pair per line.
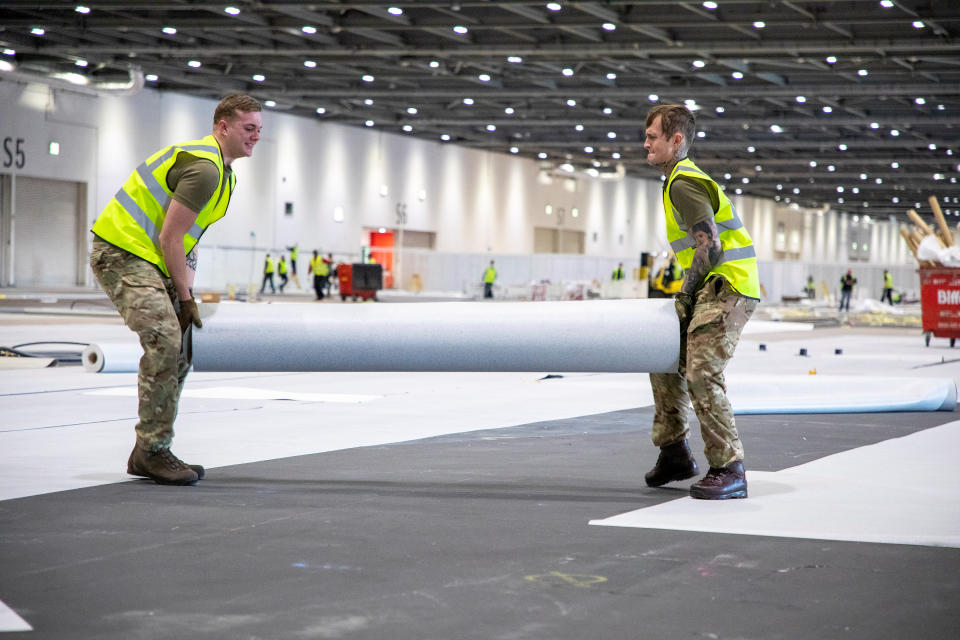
(460,29)
(567,71)
(878,180)
(542,155)
(515,59)
(932,147)
(813,164)
(321,111)
(270,103)
(468,101)
(855,190)
(434,64)
(607,111)
(483,77)
(170,31)
(775,128)
(720,109)
(886,4)
(308,29)
(751,149)
(412,111)
(801,99)
(701,134)
(611,134)
(727,176)
(842,147)
(491,127)
(196,64)
(609,26)
(940,107)
(407,128)
(368,102)
(736,75)
(80,63)
(894,165)
(759,24)
(445,137)
(554,6)
(920,100)
(615,155)
(864,176)
(369,123)
(579,127)
(395,11)
(82,9)
(895,200)
(894,132)
(874,125)
(367,78)
(588,149)
(738,191)
(840,189)
(691,104)
(759,168)
(231,10)
(830,167)
(862,72)
(653,97)
(9,52)
(918,24)
(699,64)
(151,77)
(745,180)
(827,109)
(796,191)
(709,4)
(508,111)
(571,102)
(310,64)
(840,200)
(514,149)
(831,59)
(258,77)
(611,76)
(37,31)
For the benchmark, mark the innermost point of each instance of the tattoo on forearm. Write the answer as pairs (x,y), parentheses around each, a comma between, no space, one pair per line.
(705,256)
(192,259)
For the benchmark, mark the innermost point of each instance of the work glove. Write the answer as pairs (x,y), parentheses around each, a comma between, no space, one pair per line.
(684,306)
(188,313)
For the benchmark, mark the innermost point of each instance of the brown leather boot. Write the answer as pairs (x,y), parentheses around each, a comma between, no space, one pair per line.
(674,463)
(721,483)
(132,470)
(160,466)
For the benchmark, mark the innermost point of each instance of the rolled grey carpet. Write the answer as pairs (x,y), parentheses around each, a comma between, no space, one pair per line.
(577,336)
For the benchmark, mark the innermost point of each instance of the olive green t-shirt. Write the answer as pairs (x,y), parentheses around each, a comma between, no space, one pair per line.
(693,200)
(194,180)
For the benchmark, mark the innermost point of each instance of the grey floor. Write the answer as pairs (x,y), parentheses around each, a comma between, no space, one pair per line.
(476,535)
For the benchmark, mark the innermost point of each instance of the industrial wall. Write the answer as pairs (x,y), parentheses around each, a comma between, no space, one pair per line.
(325,186)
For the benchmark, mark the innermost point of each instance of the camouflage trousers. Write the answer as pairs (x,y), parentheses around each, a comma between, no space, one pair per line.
(719,315)
(148,303)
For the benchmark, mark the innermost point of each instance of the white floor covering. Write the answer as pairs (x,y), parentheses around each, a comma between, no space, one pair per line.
(875,493)
(63,428)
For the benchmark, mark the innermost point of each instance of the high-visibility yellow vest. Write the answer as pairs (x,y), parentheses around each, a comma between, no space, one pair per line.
(887,281)
(617,274)
(134,216)
(738,262)
(268,266)
(489,275)
(320,268)
(294,252)
(282,267)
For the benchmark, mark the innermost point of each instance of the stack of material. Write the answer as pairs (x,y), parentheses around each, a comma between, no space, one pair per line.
(930,247)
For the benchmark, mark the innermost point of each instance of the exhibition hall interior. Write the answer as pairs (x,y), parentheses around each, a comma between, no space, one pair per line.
(422,370)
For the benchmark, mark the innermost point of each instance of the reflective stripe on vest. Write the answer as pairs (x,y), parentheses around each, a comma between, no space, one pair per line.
(738,260)
(133,218)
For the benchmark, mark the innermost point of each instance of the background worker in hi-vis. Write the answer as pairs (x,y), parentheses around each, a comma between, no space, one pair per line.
(721,288)
(145,257)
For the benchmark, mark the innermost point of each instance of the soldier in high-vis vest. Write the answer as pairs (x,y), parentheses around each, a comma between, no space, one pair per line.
(720,290)
(282,272)
(489,277)
(294,256)
(320,269)
(887,288)
(618,272)
(145,257)
(268,270)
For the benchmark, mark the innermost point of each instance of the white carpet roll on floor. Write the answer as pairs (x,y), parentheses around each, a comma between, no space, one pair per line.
(577,336)
(112,357)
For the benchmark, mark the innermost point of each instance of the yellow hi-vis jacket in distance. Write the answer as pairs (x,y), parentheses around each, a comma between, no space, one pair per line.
(490,275)
(738,262)
(268,266)
(320,268)
(134,216)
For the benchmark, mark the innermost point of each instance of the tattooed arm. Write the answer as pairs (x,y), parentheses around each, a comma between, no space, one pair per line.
(191,268)
(706,255)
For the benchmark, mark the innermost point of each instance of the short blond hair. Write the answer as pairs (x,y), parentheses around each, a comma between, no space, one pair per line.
(231,104)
